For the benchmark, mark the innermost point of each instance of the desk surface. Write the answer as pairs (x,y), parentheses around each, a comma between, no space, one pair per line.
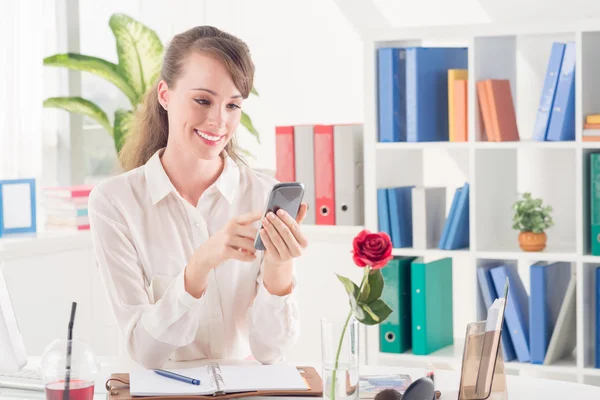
(519,388)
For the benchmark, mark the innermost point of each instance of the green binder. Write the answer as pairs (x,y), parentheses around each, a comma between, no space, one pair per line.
(431,299)
(395,331)
(595,203)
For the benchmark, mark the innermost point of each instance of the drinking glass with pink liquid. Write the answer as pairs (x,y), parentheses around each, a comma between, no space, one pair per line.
(74,383)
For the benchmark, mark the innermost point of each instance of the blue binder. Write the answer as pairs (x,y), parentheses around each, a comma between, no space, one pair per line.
(391,85)
(517,309)
(548,286)
(562,118)
(427,90)
(547,98)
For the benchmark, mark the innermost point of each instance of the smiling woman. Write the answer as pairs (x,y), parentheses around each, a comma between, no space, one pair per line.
(174,234)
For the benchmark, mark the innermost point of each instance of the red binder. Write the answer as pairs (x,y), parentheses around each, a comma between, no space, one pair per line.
(284,153)
(324,175)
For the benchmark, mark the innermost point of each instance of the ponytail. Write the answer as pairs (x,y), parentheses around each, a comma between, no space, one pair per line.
(149,132)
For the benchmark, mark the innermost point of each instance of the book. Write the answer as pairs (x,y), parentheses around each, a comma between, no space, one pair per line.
(225,381)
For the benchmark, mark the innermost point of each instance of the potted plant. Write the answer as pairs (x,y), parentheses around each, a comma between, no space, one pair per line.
(140,53)
(532,219)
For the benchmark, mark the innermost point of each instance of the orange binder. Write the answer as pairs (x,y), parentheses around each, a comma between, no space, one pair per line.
(118,389)
(485,112)
(502,110)
(285,154)
(324,175)
(460,110)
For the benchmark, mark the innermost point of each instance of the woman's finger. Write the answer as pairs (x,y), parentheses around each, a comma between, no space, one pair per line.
(302,213)
(281,226)
(275,236)
(293,227)
(235,254)
(238,242)
(245,231)
(269,246)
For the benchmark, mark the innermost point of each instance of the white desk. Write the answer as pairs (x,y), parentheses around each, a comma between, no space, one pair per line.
(519,388)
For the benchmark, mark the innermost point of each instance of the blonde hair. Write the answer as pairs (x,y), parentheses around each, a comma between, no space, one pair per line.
(150,128)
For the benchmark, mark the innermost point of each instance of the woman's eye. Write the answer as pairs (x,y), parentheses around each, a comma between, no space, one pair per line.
(234,106)
(203,102)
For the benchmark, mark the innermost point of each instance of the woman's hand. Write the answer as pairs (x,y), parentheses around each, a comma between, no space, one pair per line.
(282,236)
(234,241)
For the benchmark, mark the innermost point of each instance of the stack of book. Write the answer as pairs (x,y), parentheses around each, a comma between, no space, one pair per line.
(591,128)
(67,207)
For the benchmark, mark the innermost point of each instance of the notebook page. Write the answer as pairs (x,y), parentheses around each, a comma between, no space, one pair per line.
(242,378)
(149,383)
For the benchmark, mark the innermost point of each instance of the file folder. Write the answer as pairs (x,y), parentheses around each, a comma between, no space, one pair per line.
(324,175)
(348,169)
(284,152)
(395,331)
(305,167)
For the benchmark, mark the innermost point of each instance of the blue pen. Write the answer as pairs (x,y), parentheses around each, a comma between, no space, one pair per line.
(177,377)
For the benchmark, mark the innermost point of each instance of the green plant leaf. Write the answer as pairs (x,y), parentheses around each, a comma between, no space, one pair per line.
(139,50)
(123,120)
(375,282)
(247,123)
(96,66)
(351,287)
(374,313)
(353,292)
(254,91)
(82,106)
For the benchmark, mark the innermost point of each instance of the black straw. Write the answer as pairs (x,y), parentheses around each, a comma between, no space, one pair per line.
(69,349)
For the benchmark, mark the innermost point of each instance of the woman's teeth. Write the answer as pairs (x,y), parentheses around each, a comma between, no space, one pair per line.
(207,137)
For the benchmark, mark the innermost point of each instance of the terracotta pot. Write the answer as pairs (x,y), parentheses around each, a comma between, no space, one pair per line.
(530,241)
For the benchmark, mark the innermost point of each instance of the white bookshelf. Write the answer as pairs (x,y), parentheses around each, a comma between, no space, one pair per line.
(497,172)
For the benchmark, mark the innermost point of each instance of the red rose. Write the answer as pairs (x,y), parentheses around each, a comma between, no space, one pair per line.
(374,249)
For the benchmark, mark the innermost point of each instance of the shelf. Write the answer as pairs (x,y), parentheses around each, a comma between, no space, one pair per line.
(526,144)
(591,371)
(452,355)
(429,252)
(522,144)
(420,145)
(334,233)
(556,171)
(43,243)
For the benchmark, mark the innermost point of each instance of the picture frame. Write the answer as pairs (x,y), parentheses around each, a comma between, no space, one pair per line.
(17,206)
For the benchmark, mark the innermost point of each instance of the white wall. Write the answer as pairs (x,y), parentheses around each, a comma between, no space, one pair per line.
(308,58)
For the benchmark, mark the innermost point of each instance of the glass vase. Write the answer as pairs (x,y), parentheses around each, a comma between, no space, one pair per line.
(339,348)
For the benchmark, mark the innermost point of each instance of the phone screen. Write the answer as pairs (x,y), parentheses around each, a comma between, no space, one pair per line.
(287,197)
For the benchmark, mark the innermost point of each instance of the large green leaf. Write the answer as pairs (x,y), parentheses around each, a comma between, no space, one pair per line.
(123,119)
(140,52)
(81,106)
(375,282)
(247,123)
(350,286)
(352,291)
(94,65)
(374,313)
(254,91)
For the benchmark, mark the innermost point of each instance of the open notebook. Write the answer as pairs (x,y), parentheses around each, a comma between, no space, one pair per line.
(218,379)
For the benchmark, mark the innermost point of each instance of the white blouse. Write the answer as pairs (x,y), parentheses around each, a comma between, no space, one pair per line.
(144,233)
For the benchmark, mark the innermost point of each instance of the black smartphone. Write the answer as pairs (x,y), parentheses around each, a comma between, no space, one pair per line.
(285,195)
